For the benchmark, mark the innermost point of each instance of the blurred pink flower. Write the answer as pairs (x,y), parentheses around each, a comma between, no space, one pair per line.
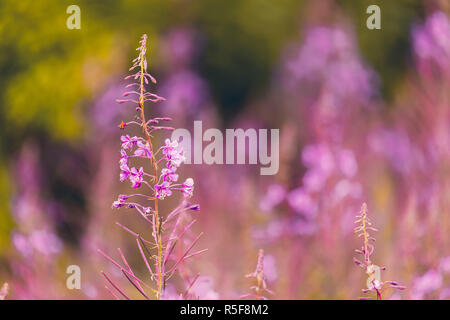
(431,41)
(444,294)
(303,228)
(346,188)
(185,92)
(318,156)
(274,196)
(46,242)
(22,244)
(314,180)
(329,58)
(270,268)
(302,203)
(179,46)
(203,289)
(426,284)
(444,265)
(347,163)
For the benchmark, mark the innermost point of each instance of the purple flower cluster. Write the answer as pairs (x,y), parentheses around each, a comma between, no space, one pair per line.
(139,147)
(431,41)
(432,283)
(43,241)
(329,171)
(35,236)
(328,61)
(156,183)
(185,91)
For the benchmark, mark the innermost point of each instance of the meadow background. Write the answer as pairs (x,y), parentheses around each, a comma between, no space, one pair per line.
(364,116)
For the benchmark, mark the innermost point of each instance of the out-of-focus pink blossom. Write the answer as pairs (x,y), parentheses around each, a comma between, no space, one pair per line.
(347,163)
(270,268)
(346,188)
(444,265)
(426,284)
(185,92)
(179,47)
(45,242)
(22,244)
(432,40)
(203,289)
(396,146)
(302,203)
(329,58)
(273,197)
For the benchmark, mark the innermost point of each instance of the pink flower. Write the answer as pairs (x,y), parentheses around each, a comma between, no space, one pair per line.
(121,201)
(270,269)
(302,202)
(174,153)
(422,286)
(314,180)
(169,175)
(136,177)
(46,242)
(274,196)
(170,147)
(347,163)
(444,265)
(203,289)
(22,244)
(123,162)
(123,158)
(188,187)
(143,150)
(163,190)
(431,40)
(127,142)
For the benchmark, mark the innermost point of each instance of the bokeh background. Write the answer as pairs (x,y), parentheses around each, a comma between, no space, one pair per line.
(364,116)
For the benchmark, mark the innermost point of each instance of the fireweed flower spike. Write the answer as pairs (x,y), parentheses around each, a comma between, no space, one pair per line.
(155,185)
(374,283)
(261,286)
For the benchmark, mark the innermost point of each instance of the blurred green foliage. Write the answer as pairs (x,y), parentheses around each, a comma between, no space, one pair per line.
(46,68)
(6,222)
(244,41)
(43,68)
(386,50)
